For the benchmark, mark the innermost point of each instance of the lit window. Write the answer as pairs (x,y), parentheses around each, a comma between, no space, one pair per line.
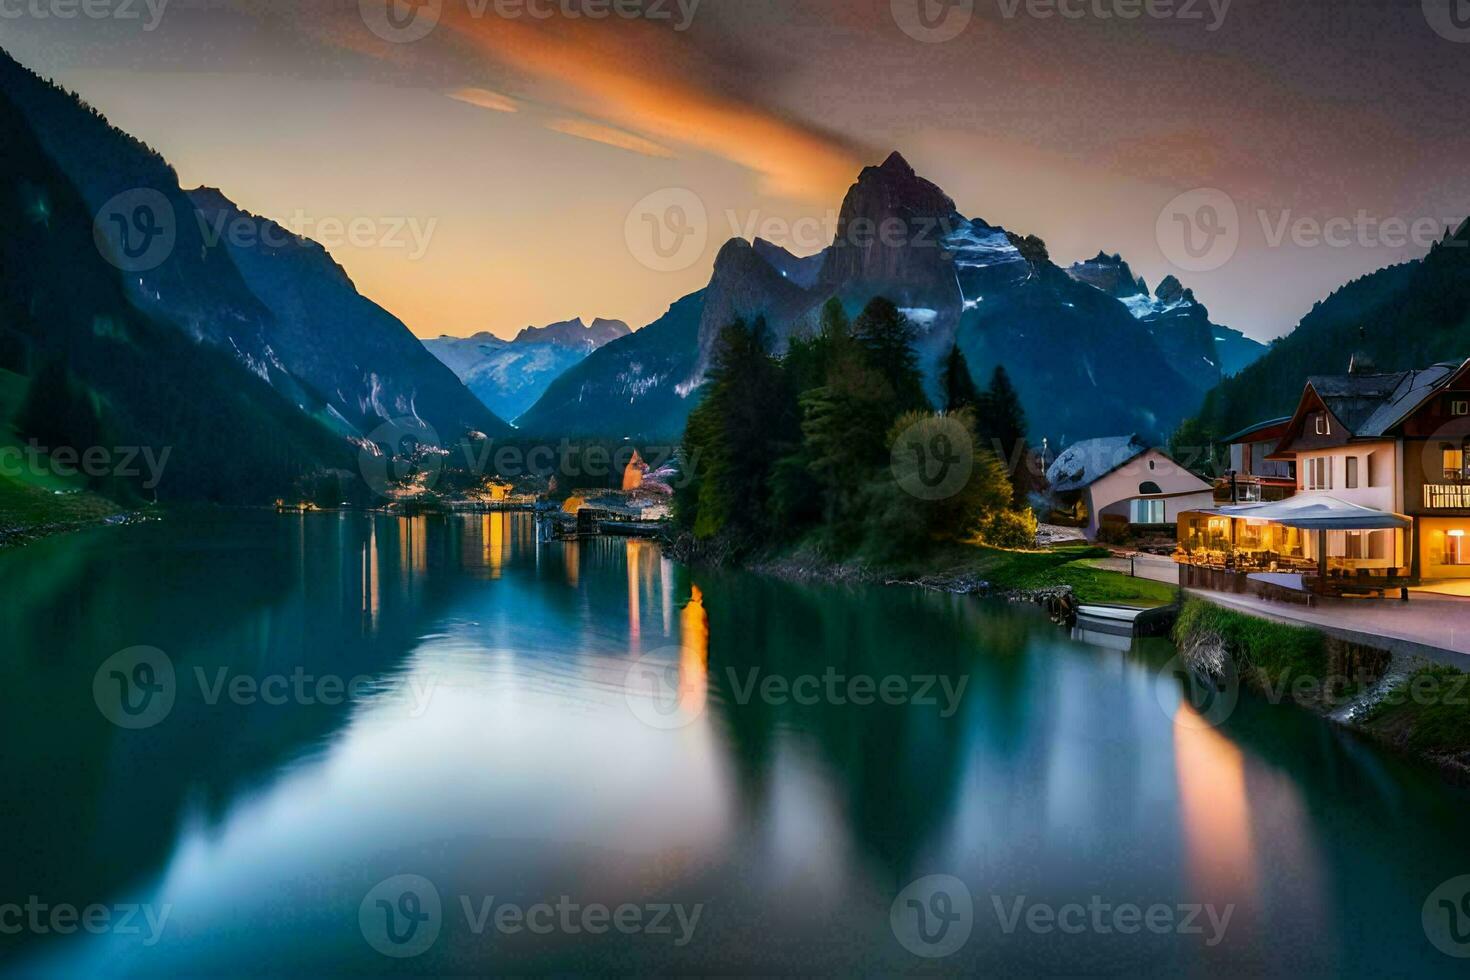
(1455,552)
(1454,465)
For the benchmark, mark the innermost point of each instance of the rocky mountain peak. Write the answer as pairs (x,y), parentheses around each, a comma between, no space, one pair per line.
(1171,290)
(1111,274)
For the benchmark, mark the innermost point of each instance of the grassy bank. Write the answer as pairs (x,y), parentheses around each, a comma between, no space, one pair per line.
(966,565)
(1425,713)
(1267,654)
(29,512)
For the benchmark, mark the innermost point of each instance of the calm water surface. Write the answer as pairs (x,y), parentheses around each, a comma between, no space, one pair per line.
(577,723)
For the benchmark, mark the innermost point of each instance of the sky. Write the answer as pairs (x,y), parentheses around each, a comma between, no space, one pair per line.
(506,163)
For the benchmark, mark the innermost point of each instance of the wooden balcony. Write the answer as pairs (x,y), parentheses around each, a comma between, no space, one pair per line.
(1447,496)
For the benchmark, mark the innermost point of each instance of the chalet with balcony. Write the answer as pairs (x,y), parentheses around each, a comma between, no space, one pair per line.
(1382,491)
(1254,477)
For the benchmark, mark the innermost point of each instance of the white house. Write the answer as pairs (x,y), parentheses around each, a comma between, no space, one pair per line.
(1122,479)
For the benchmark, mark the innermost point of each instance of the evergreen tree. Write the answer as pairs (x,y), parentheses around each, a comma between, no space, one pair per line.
(1002,430)
(959,386)
(887,339)
(746,422)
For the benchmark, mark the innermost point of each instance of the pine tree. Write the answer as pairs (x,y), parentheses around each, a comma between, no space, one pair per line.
(1002,430)
(959,386)
(746,422)
(887,339)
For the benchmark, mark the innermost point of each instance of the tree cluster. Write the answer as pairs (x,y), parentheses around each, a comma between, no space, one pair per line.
(805,446)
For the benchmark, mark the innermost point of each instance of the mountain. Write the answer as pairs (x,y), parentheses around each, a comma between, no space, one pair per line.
(634,387)
(277,303)
(361,360)
(745,285)
(575,335)
(100,373)
(1202,351)
(509,376)
(1404,316)
(1085,362)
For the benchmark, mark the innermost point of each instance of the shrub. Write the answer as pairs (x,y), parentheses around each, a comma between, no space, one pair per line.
(1009,529)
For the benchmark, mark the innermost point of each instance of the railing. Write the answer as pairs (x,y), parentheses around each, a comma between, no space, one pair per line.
(1447,496)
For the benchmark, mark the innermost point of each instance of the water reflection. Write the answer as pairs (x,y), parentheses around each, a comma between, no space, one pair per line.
(494,751)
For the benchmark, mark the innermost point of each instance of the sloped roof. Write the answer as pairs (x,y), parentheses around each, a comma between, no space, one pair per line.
(1371,404)
(1251,430)
(1086,462)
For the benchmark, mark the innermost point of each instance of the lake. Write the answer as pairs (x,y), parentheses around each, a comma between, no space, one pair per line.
(349,743)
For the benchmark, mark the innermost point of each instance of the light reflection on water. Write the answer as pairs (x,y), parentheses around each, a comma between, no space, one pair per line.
(497,754)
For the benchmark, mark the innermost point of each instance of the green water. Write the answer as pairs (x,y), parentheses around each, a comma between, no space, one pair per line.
(748,772)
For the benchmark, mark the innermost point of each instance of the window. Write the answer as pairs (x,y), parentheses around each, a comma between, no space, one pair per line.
(1460,408)
(1454,464)
(1147,512)
(1149,488)
(1323,424)
(1152,464)
(1455,552)
(1354,545)
(1319,473)
(1350,479)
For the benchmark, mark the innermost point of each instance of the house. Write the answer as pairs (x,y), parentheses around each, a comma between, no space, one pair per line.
(1254,476)
(1121,480)
(634,472)
(1382,491)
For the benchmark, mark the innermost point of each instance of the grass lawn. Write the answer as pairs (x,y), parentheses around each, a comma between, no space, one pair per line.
(1069,565)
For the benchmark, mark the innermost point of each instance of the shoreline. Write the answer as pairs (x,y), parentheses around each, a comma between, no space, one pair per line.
(16,538)
(1415,707)
(1365,688)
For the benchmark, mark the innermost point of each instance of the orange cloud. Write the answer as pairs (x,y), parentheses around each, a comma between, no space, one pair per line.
(598,133)
(486,99)
(643,79)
